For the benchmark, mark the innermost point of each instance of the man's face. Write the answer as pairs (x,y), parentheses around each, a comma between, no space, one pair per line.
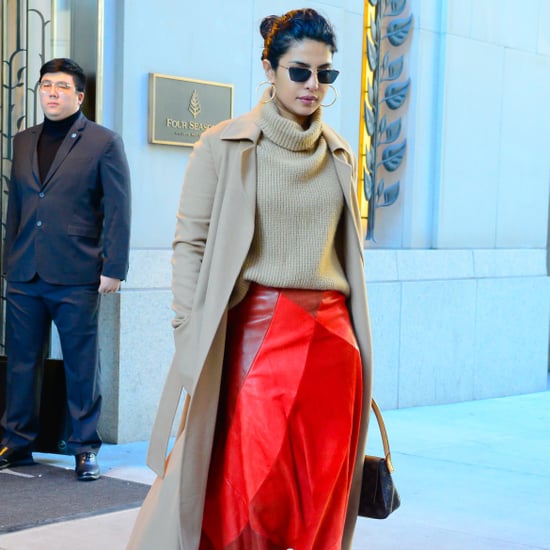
(58,96)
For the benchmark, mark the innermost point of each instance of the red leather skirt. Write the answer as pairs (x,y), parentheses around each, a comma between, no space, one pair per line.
(287,427)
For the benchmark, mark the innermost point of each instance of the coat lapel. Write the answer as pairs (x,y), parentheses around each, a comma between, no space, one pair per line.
(346,172)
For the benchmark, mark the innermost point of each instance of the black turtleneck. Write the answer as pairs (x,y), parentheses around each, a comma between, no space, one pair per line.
(53,134)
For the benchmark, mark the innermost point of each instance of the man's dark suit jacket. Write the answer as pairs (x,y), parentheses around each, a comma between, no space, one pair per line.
(75,225)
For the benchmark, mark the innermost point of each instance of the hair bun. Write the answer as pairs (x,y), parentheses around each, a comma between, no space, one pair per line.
(267,24)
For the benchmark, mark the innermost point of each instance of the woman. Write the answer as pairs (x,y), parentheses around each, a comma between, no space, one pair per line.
(271,328)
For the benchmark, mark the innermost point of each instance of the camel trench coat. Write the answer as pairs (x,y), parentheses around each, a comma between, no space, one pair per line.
(214,230)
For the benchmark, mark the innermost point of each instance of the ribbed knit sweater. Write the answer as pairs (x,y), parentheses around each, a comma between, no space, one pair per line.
(298,206)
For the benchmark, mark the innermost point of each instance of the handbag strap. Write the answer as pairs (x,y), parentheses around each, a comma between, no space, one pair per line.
(383,433)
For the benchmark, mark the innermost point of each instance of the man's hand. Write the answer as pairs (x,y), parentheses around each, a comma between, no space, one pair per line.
(108,285)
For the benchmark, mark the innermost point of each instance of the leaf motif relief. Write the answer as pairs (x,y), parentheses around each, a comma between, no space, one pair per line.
(395,7)
(385,62)
(373,97)
(392,157)
(392,132)
(396,94)
(373,26)
(369,120)
(380,188)
(194,104)
(372,55)
(367,187)
(398,31)
(390,194)
(395,68)
(382,125)
(370,160)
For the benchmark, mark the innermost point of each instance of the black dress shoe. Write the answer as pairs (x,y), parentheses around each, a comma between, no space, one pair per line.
(14,457)
(87,468)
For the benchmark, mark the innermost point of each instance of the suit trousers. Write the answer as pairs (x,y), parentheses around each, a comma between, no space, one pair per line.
(30,309)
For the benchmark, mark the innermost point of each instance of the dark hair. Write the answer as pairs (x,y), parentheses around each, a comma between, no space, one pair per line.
(64,65)
(279,33)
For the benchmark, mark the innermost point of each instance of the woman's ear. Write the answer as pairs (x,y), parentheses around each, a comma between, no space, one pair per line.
(269,72)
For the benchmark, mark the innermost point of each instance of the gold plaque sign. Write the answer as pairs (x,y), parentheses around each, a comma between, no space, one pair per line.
(180,109)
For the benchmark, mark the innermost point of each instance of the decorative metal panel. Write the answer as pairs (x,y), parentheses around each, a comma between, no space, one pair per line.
(385,89)
(25,46)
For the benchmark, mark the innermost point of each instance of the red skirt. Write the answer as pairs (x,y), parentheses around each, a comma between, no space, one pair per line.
(288,423)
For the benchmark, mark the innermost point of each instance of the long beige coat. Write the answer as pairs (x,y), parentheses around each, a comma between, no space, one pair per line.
(214,230)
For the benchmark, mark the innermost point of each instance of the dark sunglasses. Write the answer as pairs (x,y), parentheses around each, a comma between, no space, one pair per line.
(301,74)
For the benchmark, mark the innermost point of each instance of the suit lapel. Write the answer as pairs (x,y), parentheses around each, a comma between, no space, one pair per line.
(71,139)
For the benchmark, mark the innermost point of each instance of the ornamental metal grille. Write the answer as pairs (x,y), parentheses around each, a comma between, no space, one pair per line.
(25,46)
(384,94)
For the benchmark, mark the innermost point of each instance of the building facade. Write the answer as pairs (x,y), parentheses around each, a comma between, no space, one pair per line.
(457,272)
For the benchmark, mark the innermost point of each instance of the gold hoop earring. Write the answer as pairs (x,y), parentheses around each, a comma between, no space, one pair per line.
(335,96)
(273,93)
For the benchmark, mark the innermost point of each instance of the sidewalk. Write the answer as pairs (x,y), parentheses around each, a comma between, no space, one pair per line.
(471,476)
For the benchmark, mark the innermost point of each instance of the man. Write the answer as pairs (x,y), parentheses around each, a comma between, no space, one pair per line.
(67,243)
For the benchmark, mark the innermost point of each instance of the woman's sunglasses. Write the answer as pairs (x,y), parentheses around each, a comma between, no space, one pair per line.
(301,74)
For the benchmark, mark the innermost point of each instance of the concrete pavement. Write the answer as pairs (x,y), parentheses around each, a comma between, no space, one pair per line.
(471,476)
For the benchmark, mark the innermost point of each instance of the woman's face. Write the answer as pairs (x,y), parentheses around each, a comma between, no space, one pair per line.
(299,100)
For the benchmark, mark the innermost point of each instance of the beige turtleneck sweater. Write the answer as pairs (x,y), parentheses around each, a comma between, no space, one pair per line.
(298,206)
